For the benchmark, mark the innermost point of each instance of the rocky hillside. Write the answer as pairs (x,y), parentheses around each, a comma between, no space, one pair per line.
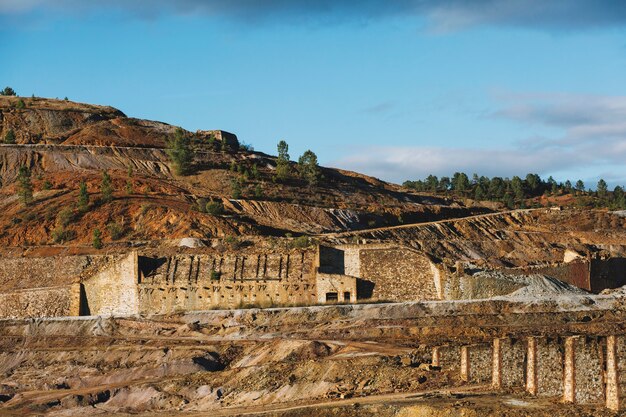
(64,143)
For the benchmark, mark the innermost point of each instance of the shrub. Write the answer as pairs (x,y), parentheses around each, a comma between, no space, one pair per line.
(115,230)
(233,242)
(20,104)
(258,191)
(9,137)
(301,242)
(215,208)
(129,187)
(97,239)
(235,189)
(61,235)
(246,147)
(46,185)
(65,217)
(215,276)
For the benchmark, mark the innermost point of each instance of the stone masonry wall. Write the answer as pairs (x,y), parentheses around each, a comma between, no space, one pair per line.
(113,290)
(588,366)
(41,302)
(201,282)
(513,356)
(480,361)
(343,286)
(550,367)
(398,274)
(36,272)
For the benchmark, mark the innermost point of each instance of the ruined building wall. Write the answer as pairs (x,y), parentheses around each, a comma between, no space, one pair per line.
(383,272)
(41,302)
(200,282)
(52,271)
(114,289)
(607,273)
(398,274)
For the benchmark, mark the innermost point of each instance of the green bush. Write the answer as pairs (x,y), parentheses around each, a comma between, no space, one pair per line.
(235,189)
(9,137)
(20,104)
(215,208)
(301,242)
(65,217)
(97,239)
(62,235)
(115,230)
(215,276)
(46,185)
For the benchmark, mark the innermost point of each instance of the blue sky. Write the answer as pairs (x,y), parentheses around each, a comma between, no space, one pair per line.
(397,90)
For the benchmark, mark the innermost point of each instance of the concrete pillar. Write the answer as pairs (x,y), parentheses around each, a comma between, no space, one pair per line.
(612,378)
(496,367)
(465,363)
(436,357)
(531,366)
(569,375)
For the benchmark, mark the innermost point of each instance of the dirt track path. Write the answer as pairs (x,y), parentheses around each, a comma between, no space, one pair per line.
(412,225)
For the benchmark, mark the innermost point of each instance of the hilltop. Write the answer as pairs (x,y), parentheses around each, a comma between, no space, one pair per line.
(64,143)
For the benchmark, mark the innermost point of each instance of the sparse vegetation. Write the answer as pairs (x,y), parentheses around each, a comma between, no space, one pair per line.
(65,217)
(235,189)
(9,137)
(46,185)
(20,104)
(97,239)
(25,186)
(215,208)
(106,188)
(62,235)
(115,230)
(180,152)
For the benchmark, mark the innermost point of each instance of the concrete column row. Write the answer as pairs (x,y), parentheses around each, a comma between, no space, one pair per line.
(583,370)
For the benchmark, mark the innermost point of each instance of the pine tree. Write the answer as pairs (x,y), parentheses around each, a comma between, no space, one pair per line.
(25,186)
(180,152)
(308,168)
(97,239)
(602,188)
(83,197)
(282,161)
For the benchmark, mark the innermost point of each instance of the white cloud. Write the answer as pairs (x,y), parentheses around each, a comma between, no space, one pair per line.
(593,137)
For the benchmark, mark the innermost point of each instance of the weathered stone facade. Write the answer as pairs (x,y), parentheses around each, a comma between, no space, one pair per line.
(41,302)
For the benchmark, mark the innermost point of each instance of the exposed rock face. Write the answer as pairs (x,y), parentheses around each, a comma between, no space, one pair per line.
(49,121)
